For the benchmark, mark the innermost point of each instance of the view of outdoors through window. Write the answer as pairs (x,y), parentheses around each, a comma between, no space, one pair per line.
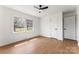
(22,25)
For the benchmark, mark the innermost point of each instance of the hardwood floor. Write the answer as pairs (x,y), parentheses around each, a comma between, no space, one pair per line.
(41,45)
(70,42)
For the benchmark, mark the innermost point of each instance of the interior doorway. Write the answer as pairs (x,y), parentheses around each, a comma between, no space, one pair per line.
(69,27)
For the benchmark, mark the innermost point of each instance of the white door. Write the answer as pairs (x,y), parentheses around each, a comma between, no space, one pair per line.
(70,27)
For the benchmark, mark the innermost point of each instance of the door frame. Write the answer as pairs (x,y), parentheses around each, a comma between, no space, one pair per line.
(75,25)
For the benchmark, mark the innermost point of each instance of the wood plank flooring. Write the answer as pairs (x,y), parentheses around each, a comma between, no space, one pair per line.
(41,45)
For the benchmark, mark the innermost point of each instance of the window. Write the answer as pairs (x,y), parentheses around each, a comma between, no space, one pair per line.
(22,25)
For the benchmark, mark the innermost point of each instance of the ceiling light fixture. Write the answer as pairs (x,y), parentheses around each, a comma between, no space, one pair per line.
(41,7)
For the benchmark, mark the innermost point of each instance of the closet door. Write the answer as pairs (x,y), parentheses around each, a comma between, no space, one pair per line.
(70,27)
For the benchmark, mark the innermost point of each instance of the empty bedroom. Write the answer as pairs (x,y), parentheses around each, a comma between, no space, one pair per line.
(39,29)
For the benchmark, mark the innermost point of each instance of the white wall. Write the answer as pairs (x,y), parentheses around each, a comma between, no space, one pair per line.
(6,26)
(78,24)
(45,26)
(50,23)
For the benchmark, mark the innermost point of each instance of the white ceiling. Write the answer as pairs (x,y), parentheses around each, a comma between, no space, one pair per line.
(29,9)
